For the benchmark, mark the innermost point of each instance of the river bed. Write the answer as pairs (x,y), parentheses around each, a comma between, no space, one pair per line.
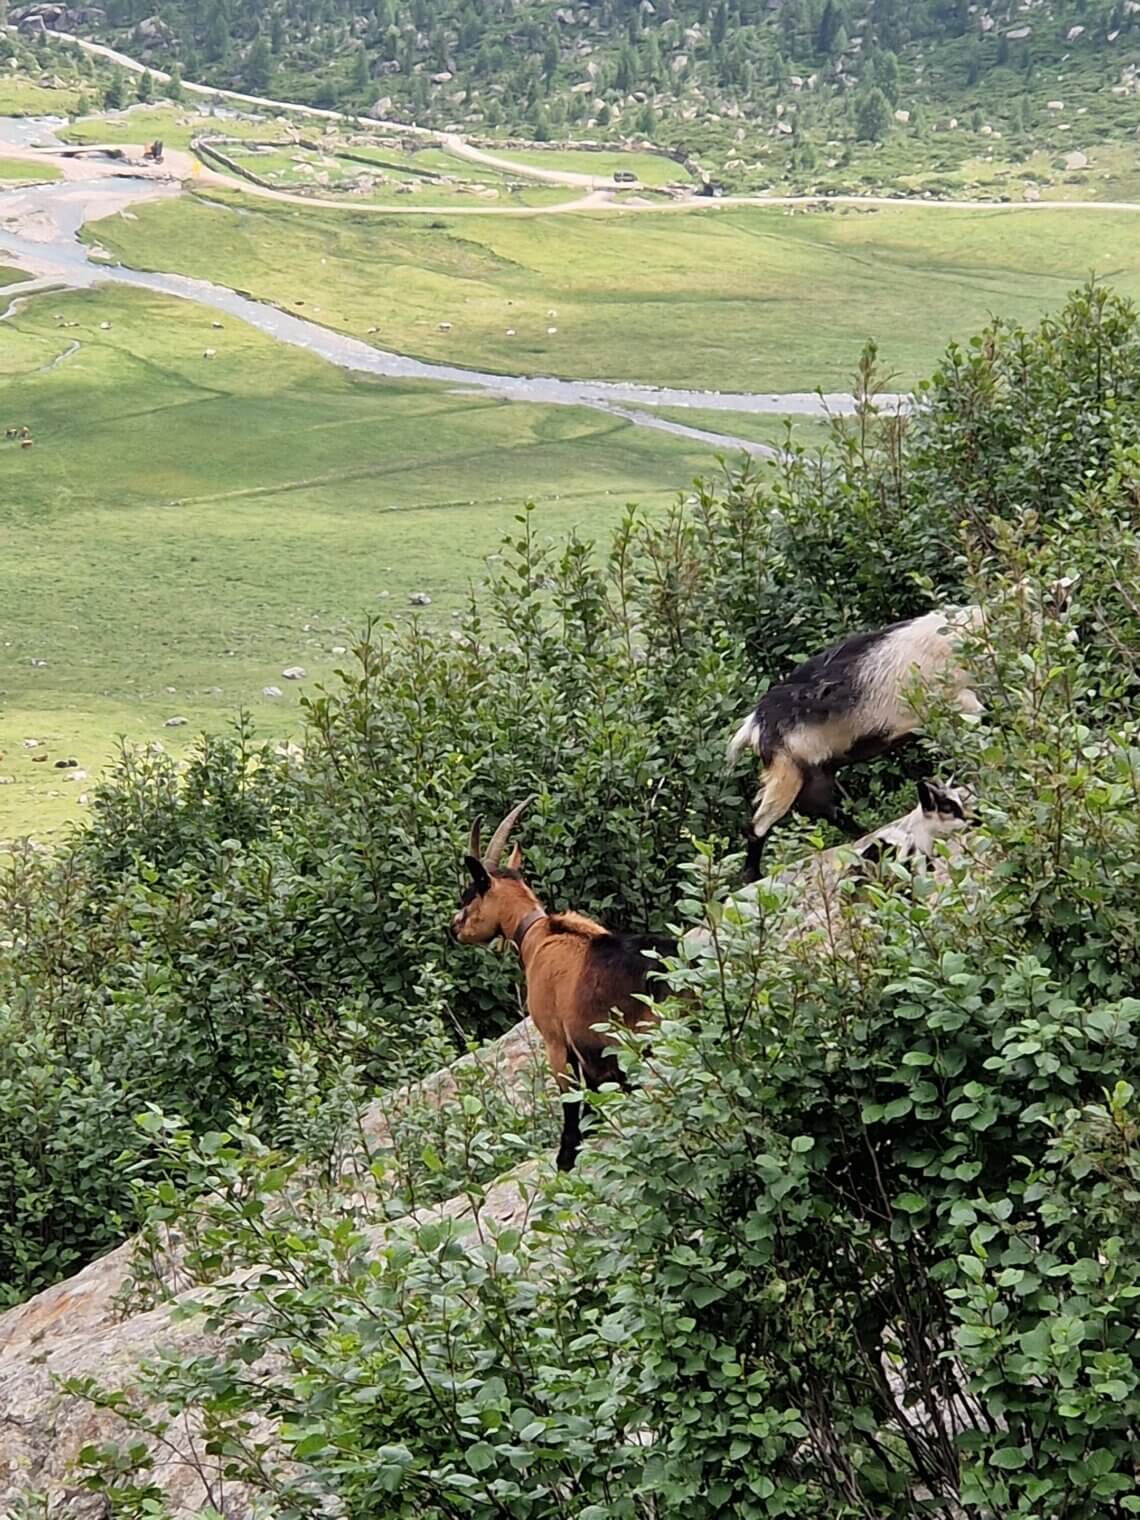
(39,227)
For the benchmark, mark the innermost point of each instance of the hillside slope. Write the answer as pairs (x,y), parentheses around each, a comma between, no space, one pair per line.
(803,92)
(96,1327)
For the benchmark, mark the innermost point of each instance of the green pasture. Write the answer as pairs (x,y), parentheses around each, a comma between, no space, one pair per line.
(175,124)
(20,170)
(20,96)
(441,161)
(778,429)
(294,169)
(761,299)
(183,530)
(650,168)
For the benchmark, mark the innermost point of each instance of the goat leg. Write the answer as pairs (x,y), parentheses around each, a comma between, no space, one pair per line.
(571,1121)
(753,852)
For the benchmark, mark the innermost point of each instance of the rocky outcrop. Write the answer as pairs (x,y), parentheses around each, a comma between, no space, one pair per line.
(76,1329)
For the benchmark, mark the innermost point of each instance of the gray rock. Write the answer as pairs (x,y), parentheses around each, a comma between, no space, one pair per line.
(66,765)
(420,599)
(176,723)
(294,672)
(271,691)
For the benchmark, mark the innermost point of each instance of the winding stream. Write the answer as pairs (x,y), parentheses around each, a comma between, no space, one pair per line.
(39,226)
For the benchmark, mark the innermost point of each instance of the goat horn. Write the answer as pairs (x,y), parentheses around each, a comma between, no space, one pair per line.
(473,842)
(502,834)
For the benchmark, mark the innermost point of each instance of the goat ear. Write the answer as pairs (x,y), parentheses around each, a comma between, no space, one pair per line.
(515,860)
(478,874)
(926,799)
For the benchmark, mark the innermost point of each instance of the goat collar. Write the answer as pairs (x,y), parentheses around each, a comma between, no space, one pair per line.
(526,926)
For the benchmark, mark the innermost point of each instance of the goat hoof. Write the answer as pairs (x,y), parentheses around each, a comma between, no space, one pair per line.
(565,1163)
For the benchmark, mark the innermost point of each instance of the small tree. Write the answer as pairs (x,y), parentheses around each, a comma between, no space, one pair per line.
(145,86)
(873,115)
(887,76)
(258,71)
(114,95)
(361,78)
(174,89)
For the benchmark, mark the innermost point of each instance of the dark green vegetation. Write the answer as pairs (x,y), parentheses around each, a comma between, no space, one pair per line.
(915,1131)
(184,529)
(701,76)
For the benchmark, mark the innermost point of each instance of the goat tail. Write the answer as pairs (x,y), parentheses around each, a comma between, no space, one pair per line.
(747,736)
(783,780)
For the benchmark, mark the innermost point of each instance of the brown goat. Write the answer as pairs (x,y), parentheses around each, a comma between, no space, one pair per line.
(577,972)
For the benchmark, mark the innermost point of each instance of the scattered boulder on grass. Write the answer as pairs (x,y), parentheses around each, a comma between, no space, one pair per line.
(294,673)
(271,691)
(176,723)
(419,599)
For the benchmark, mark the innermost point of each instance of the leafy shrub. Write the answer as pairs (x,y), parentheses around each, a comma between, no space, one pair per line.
(862,1241)
(215,929)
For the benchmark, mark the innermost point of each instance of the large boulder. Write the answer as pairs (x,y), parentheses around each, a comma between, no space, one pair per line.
(77,1330)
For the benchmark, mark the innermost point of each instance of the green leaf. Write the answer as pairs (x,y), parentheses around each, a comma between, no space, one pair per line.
(1008,1457)
(309,1446)
(480,1457)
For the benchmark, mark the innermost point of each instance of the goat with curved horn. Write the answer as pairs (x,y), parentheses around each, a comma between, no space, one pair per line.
(577,973)
(499,838)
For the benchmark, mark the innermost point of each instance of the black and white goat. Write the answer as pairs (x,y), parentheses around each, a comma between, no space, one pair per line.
(941,812)
(842,706)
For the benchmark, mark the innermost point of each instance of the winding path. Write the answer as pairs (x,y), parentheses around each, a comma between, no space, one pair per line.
(602,196)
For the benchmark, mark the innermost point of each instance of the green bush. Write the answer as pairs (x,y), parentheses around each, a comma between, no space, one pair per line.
(213,927)
(863,1240)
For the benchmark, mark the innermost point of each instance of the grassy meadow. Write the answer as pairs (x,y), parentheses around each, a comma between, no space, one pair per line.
(176,124)
(751,299)
(651,168)
(183,530)
(777,429)
(21,170)
(21,96)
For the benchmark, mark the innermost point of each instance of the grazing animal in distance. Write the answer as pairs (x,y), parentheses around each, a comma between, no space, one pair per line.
(577,971)
(845,705)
